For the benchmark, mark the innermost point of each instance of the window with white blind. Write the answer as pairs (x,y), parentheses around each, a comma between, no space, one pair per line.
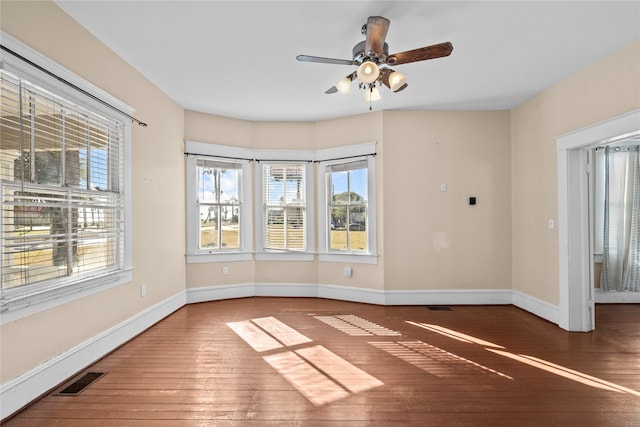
(63,199)
(284,203)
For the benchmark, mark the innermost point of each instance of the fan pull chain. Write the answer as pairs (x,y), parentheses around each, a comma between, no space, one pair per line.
(370,95)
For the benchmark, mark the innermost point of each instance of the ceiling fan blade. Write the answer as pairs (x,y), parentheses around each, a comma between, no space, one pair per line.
(384,76)
(377,28)
(319,59)
(421,54)
(331,90)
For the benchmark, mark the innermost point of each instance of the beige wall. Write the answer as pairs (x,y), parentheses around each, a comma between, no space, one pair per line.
(158,192)
(435,239)
(605,89)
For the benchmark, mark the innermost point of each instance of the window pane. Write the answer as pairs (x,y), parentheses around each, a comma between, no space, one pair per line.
(358,185)
(294,185)
(208,227)
(229,179)
(230,231)
(338,230)
(295,228)
(207,185)
(274,228)
(340,187)
(357,228)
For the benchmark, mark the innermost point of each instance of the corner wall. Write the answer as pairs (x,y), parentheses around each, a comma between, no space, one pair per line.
(608,88)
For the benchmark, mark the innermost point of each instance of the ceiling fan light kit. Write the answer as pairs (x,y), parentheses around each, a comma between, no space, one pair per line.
(344,86)
(396,80)
(372,94)
(373,52)
(368,72)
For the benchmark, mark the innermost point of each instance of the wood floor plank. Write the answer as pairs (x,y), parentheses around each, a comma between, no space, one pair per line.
(314,362)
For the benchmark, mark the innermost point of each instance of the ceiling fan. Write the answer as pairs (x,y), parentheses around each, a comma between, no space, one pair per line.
(372,53)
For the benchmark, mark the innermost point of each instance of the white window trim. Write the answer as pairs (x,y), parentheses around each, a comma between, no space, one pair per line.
(284,255)
(223,153)
(83,288)
(353,153)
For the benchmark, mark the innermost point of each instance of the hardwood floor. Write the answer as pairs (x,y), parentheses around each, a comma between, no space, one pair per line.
(315,362)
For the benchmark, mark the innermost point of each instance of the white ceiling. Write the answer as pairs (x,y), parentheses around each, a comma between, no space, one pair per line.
(238,58)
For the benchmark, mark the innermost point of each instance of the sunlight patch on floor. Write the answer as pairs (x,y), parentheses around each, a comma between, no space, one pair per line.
(565,372)
(310,382)
(258,339)
(316,372)
(356,326)
(530,360)
(280,331)
(454,334)
(351,377)
(432,359)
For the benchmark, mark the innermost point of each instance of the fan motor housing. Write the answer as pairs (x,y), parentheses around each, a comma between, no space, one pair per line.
(359,55)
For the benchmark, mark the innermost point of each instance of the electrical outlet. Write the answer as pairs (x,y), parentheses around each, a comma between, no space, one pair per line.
(143,290)
(225,271)
(348,272)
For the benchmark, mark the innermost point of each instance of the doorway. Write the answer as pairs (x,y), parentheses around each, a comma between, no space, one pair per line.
(576,275)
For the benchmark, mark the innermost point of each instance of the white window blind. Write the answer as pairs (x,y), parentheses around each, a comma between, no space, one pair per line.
(219,204)
(284,198)
(62,191)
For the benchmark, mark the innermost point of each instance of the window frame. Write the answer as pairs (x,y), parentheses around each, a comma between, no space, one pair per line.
(223,154)
(64,290)
(345,155)
(263,254)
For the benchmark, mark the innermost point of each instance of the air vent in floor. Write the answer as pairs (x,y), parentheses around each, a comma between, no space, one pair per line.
(438,308)
(80,384)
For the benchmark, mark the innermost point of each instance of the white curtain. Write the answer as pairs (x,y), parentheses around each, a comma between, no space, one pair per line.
(621,241)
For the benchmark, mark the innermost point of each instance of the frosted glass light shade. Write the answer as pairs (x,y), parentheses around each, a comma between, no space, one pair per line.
(396,80)
(368,72)
(372,94)
(344,86)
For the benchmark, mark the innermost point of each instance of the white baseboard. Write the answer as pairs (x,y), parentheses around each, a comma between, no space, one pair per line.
(449,297)
(536,306)
(215,293)
(286,290)
(20,391)
(346,293)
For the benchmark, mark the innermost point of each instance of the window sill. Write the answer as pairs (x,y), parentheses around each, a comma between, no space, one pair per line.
(284,256)
(219,257)
(349,257)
